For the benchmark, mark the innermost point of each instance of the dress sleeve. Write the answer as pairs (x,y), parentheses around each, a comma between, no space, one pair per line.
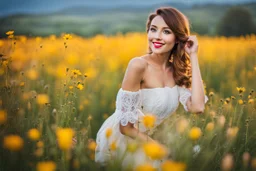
(184,95)
(127,106)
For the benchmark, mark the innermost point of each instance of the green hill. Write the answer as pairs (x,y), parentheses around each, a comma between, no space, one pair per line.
(85,22)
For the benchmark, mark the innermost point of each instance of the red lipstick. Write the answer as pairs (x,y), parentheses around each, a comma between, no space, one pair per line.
(158,44)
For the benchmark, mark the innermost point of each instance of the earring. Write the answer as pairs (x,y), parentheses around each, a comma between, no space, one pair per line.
(171,60)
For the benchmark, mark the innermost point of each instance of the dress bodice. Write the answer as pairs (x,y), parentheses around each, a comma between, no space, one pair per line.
(161,102)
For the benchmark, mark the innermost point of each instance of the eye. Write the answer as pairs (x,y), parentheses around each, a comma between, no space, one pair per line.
(166,31)
(152,29)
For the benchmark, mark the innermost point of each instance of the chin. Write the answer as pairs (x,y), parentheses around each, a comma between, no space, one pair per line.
(158,51)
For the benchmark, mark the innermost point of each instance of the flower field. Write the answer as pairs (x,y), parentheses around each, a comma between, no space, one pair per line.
(57,91)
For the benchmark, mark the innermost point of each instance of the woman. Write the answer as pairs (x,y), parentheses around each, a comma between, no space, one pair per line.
(154,83)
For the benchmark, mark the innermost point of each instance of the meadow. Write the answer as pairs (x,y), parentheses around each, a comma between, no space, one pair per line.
(56,88)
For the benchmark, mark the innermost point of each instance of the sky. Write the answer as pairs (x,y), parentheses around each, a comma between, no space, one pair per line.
(8,7)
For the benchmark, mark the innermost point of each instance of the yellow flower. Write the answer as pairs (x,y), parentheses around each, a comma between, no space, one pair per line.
(67,37)
(40,144)
(76,73)
(227,100)
(38,39)
(52,37)
(240,89)
(149,121)
(181,125)
(3,116)
(9,32)
(11,36)
(211,93)
(233,97)
(46,166)
(13,142)
(169,165)
(240,101)
(209,126)
(23,39)
(5,63)
(89,117)
(34,134)
(145,167)
(1,43)
(232,132)
(251,101)
(22,84)
(195,133)
(108,132)
(39,152)
(80,86)
(154,150)
(113,146)
(42,99)
(64,138)
(92,145)
(72,59)
(32,74)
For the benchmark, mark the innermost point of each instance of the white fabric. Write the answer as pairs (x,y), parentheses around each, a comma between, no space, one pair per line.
(185,95)
(131,107)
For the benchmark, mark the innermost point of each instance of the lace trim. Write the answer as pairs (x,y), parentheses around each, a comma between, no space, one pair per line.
(185,96)
(127,105)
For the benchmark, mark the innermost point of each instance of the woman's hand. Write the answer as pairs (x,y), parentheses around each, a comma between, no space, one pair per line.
(191,46)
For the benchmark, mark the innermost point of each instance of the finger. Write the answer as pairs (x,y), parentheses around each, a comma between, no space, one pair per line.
(189,43)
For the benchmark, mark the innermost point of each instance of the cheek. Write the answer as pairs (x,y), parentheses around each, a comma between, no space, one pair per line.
(170,39)
(150,37)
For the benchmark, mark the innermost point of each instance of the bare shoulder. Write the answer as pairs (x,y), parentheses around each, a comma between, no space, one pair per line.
(137,64)
(134,74)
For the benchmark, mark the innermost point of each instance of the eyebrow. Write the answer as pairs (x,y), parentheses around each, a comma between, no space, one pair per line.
(163,27)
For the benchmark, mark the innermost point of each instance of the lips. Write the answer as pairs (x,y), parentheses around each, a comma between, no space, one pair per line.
(158,44)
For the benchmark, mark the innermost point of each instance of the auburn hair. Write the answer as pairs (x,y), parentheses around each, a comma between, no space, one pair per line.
(179,24)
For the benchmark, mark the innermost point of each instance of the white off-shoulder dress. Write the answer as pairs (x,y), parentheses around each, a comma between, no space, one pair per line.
(131,107)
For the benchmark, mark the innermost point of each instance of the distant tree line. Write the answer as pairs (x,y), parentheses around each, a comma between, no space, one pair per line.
(237,21)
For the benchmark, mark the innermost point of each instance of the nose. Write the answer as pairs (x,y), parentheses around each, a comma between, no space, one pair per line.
(157,35)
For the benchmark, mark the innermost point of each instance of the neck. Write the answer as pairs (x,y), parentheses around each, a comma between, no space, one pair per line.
(161,60)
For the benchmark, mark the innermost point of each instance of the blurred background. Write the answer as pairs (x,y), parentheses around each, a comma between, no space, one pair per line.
(88,18)
(62,64)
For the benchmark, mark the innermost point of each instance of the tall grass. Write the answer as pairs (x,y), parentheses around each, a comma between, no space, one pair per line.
(52,83)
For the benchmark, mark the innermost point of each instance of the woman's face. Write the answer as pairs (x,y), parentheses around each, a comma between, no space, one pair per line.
(161,39)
